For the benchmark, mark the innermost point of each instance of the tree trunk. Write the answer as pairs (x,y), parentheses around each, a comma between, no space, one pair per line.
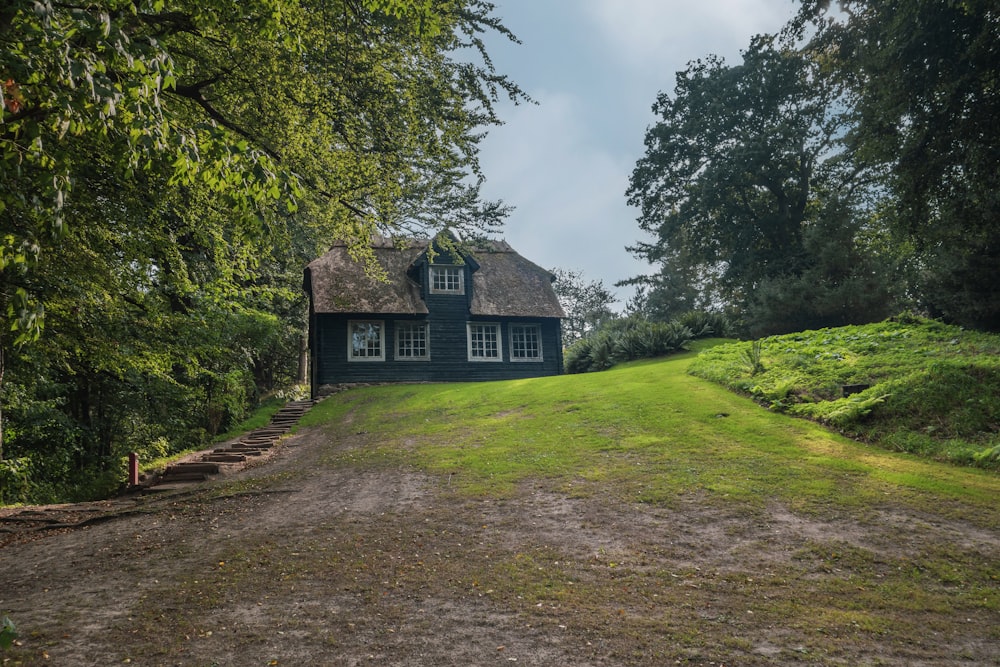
(303,360)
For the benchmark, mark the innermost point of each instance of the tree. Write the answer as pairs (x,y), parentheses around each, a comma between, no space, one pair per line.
(843,284)
(167,168)
(674,289)
(358,109)
(923,83)
(587,304)
(734,170)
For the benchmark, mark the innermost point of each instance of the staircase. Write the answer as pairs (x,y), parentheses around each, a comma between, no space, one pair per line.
(253,444)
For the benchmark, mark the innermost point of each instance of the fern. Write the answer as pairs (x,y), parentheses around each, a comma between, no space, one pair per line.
(752,358)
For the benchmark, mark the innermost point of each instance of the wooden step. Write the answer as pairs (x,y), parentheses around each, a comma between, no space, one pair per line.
(224,457)
(203,467)
(246,450)
(257,442)
(270,431)
(185,477)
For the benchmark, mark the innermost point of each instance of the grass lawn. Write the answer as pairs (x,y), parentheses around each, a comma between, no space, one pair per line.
(646,432)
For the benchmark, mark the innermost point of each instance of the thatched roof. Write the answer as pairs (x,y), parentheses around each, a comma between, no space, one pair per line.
(504,284)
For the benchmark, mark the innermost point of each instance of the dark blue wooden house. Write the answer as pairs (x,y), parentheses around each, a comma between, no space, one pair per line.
(444,312)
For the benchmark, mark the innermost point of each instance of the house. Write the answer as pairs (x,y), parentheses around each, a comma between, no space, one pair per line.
(482,313)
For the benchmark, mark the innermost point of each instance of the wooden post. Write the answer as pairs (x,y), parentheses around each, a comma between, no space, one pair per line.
(133,469)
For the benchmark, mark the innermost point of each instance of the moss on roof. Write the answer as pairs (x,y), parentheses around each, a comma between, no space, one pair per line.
(505,284)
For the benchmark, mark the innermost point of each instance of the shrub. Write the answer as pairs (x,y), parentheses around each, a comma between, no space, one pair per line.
(8,633)
(15,479)
(625,340)
(704,324)
(934,389)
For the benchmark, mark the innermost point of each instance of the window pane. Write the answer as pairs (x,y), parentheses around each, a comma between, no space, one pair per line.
(446,279)
(366,340)
(484,341)
(411,341)
(525,342)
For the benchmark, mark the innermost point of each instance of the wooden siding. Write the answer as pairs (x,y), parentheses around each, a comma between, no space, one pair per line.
(448,344)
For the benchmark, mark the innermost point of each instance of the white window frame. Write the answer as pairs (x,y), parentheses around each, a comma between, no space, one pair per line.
(446,269)
(511,337)
(499,341)
(402,325)
(379,326)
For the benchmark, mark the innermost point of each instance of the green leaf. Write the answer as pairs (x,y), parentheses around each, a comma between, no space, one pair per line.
(8,633)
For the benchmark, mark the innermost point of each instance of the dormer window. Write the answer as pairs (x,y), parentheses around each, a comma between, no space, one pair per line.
(447,280)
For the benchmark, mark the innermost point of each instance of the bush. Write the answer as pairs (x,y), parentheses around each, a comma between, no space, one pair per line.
(8,633)
(704,324)
(625,340)
(15,479)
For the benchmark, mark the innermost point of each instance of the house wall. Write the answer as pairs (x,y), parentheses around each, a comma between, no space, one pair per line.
(448,343)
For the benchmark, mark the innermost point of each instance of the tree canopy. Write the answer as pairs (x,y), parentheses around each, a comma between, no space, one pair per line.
(167,167)
(844,167)
(359,112)
(741,175)
(923,77)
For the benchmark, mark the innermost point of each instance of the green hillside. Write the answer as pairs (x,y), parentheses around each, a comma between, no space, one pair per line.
(640,516)
(645,431)
(932,389)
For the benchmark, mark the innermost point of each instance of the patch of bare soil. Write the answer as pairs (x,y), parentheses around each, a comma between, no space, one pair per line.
(315,559)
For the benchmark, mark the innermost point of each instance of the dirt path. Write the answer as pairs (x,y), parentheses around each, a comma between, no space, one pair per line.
(311,560)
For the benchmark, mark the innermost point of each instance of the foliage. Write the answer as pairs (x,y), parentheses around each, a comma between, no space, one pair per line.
(751,358)
(933,389)
(924,94)
(842,284)
(587,304)
(626,339)
(8,633)
(729,186)
(166,169)
(843,170)
(705,324)
(677,286)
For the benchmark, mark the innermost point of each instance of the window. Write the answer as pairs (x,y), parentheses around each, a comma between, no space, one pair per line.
(525,342)
(364,341)
(447,280)
(484,342)
(411,341)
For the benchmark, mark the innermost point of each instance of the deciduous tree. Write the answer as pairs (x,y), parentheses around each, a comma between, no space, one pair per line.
(168,166)
(729,185)
(588,305)
(923,77)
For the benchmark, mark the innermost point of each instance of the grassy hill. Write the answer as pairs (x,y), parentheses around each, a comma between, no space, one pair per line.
(646,430)
(932,389)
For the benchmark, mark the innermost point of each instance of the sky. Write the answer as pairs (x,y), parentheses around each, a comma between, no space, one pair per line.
(595,68)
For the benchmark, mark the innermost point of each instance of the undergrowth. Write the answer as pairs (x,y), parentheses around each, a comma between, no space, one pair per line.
(632,338)
(906,384)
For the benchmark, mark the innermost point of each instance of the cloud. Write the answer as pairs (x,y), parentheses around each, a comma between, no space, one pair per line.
(568,193)
(648,33)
